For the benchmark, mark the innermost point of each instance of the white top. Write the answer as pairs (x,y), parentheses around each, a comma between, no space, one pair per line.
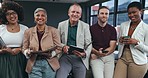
(12,39)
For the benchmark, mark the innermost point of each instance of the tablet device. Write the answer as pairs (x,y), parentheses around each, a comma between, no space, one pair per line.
(72,48)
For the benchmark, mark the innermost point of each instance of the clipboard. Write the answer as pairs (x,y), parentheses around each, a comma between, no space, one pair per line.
(2,43)
(46,51)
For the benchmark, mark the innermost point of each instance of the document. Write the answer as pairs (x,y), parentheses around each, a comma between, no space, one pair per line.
(2,43)
(47,51)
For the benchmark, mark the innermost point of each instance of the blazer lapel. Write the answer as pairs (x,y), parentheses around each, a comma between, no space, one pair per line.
(79,29)
(66,30)
(137,29)
(45,33)
(126,29)
(34,33)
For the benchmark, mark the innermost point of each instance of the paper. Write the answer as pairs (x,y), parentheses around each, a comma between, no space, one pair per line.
(2,43)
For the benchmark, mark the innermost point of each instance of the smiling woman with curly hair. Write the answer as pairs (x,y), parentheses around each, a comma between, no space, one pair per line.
(9,5)
(12,60)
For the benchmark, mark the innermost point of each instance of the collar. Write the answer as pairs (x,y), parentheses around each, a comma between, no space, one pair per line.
(73,25)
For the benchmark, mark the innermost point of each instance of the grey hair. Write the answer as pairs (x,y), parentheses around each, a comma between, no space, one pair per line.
(75,4)
(40,9)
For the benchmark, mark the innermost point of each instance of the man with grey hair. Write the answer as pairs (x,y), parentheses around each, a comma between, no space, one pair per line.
(74,32)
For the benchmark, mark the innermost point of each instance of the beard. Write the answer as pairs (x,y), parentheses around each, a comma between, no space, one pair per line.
(103,20)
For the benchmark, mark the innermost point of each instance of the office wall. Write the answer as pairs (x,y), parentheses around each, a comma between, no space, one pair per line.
(56,12)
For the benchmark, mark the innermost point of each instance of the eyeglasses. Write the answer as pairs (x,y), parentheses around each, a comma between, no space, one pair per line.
(10,13)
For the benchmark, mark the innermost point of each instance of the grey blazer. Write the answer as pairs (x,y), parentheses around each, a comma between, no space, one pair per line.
(83,37)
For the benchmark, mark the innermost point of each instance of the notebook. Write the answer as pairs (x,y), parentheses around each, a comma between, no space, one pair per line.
(2,43)
(72,48)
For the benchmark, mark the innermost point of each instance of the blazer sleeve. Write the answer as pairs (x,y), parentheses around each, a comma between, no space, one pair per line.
(25,41)
(143,46)
(56,37)
(88,41)
(60,33)
(56,40)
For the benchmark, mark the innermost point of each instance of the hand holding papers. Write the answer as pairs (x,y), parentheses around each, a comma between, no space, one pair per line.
(46,52)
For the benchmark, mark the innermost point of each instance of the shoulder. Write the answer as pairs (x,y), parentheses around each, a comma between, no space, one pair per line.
(144,26)
(63,22)
(125,23)
(30,29)
(2,27)
(83,23)
(24,27)
(110,26)
(51,28)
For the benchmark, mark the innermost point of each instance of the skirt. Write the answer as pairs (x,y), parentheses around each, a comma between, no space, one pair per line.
(13,66)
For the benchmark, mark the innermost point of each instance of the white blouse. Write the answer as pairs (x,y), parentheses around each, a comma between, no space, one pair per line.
(12,39)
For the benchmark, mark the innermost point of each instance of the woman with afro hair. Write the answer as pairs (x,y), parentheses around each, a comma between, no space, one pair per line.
(12,60)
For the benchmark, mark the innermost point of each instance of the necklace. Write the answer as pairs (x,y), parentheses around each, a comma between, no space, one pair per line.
(12,29)
(133,27)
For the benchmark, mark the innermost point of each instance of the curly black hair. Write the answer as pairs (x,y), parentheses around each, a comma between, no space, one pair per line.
(11,5)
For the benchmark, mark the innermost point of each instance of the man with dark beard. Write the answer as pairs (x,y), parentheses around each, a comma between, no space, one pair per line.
(104,39)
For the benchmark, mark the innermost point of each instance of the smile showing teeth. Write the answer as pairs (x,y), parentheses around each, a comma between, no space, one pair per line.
(132,18)
(12,19)
(40,20)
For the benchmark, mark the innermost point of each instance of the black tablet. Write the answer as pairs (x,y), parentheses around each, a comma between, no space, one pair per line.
(72,48)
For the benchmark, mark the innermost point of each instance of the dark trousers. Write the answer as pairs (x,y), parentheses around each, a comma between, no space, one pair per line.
(73,64)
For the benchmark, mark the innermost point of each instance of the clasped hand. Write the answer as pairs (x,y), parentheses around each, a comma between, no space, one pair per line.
(128,40)
(100,53)
(13,51)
